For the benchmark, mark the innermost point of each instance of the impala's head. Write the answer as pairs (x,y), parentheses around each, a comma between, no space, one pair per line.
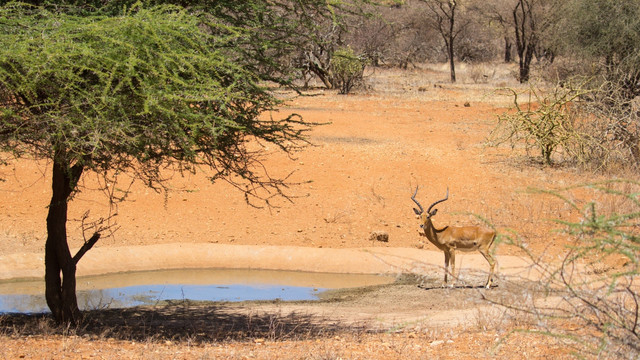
(422,215)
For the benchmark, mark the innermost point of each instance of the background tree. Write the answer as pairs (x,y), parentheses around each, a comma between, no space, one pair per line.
(374,36)
(315,56)
(604,39)
(449,25)
(605,34)
(526,35)
(395,35)
(532,23)
(323,35)
(497,14)
(147,93)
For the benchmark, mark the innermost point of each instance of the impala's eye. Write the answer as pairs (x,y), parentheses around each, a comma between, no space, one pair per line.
(422,226)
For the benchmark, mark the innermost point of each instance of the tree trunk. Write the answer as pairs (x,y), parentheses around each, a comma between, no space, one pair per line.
(525,64)
(452,64)
(60,267)
(526,37)
(452,38)
(320,72)
(507,50)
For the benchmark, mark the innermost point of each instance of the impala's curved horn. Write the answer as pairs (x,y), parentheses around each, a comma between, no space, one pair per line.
(417,203)
(438,202)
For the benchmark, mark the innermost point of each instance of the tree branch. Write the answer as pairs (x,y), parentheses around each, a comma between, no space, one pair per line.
(86,247)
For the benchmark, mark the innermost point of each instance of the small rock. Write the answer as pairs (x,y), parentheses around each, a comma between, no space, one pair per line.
(382,236)
(436,343)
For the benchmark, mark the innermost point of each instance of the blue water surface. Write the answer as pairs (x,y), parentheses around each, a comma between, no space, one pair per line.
(152,294)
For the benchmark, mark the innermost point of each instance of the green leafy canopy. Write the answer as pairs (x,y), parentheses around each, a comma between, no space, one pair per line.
(149,88)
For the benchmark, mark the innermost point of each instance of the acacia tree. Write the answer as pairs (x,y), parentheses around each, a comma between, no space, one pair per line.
(146,92)
(286,39)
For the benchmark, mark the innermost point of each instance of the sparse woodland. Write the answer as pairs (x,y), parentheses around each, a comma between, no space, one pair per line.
(131,91)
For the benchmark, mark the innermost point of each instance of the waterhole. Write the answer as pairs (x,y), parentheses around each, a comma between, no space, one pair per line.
(153,287)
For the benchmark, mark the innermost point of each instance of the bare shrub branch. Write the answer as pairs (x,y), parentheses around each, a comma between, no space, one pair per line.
(544,121)
(592,293)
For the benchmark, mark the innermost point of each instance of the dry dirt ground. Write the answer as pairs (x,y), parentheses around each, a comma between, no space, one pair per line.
(407,128)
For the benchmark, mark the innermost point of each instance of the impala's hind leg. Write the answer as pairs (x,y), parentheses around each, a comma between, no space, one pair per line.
(447,257)
(492,266)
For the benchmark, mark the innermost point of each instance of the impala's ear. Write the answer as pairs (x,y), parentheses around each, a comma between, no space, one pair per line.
(434,212)
(416,211)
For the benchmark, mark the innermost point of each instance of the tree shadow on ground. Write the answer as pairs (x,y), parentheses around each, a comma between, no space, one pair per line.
(183,321)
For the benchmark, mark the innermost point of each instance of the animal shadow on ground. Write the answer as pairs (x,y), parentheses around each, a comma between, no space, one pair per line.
(454,286)
(472,279)
(183,321)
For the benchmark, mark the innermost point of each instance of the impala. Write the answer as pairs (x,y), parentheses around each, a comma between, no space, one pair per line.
(452,238)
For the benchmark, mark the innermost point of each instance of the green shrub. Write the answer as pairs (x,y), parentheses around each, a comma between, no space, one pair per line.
(347,69)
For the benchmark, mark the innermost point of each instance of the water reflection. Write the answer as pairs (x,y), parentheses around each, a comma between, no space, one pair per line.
(149,288)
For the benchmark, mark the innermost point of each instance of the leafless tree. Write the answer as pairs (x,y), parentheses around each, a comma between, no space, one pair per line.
(447,22)
(525,26)
(531,22)
(393,35)
(496,13)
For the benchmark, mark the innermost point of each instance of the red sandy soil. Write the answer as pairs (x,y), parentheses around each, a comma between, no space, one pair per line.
(409,128)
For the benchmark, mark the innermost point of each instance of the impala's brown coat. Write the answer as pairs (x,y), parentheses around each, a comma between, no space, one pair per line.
(452,238)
